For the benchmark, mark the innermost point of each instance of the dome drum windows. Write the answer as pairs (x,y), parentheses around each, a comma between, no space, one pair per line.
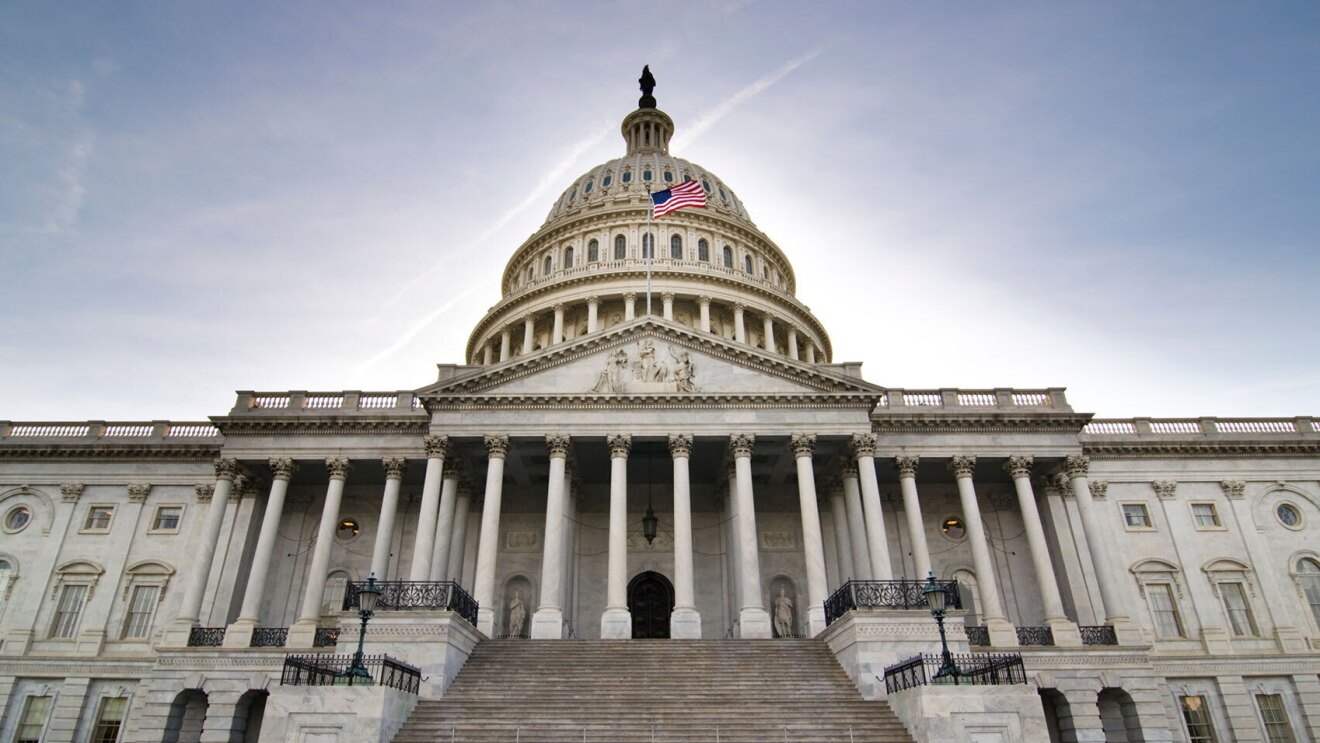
(676,248)
(605,182)
(648,246)
(548,266)
(728,257)
(568,258)
(587,188)
(593,251)
(620,247)
(627,176)
(747,265)
(646,175)
(703,251)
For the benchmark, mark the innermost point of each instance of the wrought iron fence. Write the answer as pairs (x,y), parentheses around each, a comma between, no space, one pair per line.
(269,637)
(1102,634)
(978,635)
(206,637)
(1035,636)
(885,594)
(971,669)
(326,637)
(399,595)
(333,670)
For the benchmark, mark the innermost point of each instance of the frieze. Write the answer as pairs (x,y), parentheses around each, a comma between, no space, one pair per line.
(778,541)
(647,372)
(522,541)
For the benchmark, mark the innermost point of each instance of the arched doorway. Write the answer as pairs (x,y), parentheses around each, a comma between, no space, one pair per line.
(1118,714)
(651,601)
(187,712)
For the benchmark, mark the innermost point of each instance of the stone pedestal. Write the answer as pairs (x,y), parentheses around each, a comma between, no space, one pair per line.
(754,624)
(1216,640)
(1129,633)
(335,713)
(1066,634)
(970,714)
(616,624)
(437,642)
(685,624)
(815,620)
(865,642)
(302,635)
(1290,640)
(1002,633)
(239,634)
(548,624)
(486,621)
(176,635)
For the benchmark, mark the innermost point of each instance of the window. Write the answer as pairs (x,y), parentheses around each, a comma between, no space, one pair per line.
(332,596)
(167,519)
(98,518)
(705,184)
(6,576)
(1206,516)
(747,263)
(1288,515)
(703,250)
(1196,716)
(1308,579)
(109,718)
(587,188)
(568,258)
(1275,718)
(669,177)
(676,248)
(722,196)
(728,257)
(347,529)
(953,528)
(531,274)
(1240,620)
(1164,610)
(648,246)
(33,721)
(605,182)
(627,176)
(572,196)
(593,251)
(17,519)
(620,248)
(646,175)
(141,609)
(1136,516)
(547,266)
(65,623)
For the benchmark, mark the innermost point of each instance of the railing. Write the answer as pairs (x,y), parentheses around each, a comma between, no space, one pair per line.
(401,595)
(953,399)
(978,635)
(288,402)
(1035,636)
(206,637)
(1102,634)
(1200,426)
(972,669)
(326,637)
(332,670)
(100,430)
(885,594)
(269,637)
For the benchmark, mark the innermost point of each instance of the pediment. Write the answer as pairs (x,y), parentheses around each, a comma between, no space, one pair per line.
(652,358)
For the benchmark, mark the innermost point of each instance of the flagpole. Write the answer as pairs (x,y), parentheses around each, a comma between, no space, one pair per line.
(648,249)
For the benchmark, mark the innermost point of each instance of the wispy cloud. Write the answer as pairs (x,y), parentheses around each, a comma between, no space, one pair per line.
(70,191)
(412,332)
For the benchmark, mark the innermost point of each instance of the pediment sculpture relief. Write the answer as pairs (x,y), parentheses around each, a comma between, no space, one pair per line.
(643,371)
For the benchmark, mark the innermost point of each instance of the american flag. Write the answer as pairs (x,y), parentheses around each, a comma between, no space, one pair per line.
(685,194)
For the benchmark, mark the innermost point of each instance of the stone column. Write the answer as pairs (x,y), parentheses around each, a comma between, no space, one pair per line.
(548,621)
(907,482)
(593,311)
(486,354)
(629,308)
(437,448)
(191,608)
(458,544)
(667,300)
(792,343)
(753,620)
(616,622)
(1002,633)
(301,634)
(1077,467)
(685,622)
(488,544)
(529,328)
(506,341)
(569,551)
(769,325)
(1065,632)
(811,353)
(239,634)
(444,521)
(842,537)
(852,498)
(703,303)
(813,546)
(739,325)
(877,539)
(557,336)
(389,507)
(734,543)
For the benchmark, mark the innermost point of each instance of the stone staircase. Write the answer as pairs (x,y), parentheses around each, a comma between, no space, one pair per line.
(639,691)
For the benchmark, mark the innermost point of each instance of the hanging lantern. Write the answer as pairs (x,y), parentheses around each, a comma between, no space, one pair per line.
(649,524)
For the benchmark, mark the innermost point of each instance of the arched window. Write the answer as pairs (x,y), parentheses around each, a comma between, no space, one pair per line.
(573,195)
(627,176)
(728,257)
(7,575)
(1308,579)
(676,248)
(531,274)
(646,175)
(970,595)
(593,251)
(549,264)
(669,177)
(605,182)
(648,246)
(332,597)
(620,247)
(587,188)
(703,250)
(747,263)
(568,258)
(765,272)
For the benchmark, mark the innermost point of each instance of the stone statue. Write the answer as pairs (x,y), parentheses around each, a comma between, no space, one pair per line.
(517,615)
(647,369)
(647,83)
(682,371)
(783,614)
(612,376)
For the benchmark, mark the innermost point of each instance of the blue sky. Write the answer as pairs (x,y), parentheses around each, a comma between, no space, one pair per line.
(1119,198)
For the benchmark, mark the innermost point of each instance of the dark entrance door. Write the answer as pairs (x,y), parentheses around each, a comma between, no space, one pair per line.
(651,601)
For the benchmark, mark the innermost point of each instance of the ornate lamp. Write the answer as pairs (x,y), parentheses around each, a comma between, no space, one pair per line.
(938,600)
(649,524)
(367,599)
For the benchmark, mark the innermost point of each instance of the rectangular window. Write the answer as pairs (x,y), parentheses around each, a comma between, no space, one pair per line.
(1136,516)
(109,719)
(65,623)
(1240,619)
(1168,623)
(1206,516)
(1196,715)
(142,607)
(33,721)
(167,518)
(98,518)
(1275,719)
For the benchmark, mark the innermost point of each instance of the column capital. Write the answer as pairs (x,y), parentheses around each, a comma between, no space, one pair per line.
(557,445)
(1019,466)
(339,467)
(205,491)
(907,465)
(739,306)
(593,299)
(437,447)
(848,469)
(741,444)
(1234,489)
(137,491)
(395,467)
(497,446)
(243,486)
(1099,489)
(282,468)
(620,445)
(703,300)
(680,445)
(863,444)
(508,329)
(629,296)
(1062,483)
(226,469)
(1165,489)
(802,444)
(559,307)
(71,492)
(667,296)
(962,465)
(1076,465)
(529,318)
(453,468)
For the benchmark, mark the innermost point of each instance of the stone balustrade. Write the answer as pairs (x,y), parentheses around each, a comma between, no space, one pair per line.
(1146,428)
(958,400)
(137,431)
(339,403)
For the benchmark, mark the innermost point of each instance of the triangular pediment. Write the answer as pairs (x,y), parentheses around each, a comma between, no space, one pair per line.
(652,358)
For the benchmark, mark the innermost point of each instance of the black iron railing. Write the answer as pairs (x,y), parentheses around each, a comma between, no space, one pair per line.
(1035,636)
(269,637)
(1102,634)
(973,669)
(206,637)
(326,637)
(885,594)
(978,635)
(332,670)
(400,595)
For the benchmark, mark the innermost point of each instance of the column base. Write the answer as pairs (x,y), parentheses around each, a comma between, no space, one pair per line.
(177,634)
(302,635)
(815,620)
(239,634)
(685,624)
(1002,633)
(1127,631)
(548,624)
(19,642)
(754,623)
(1066,634)
(1290,640)
(616,624)
(1215,640)
(486,621)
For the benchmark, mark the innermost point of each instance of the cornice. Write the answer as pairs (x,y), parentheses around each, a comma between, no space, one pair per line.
(118,452)
(589,401)
(303,424)
(30,665)
(982,423)
(1199,449)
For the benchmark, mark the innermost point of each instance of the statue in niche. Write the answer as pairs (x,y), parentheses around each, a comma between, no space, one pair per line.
(612,377)
(682,371)
(784,614)
(647,369)
(517,615)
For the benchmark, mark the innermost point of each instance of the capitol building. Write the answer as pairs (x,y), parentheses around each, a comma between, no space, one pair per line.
(648,476)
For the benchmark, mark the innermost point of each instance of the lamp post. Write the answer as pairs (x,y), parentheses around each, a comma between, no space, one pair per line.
(367,598)
(937,600)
